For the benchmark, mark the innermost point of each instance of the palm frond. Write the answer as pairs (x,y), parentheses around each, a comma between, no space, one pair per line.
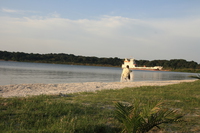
(136,118)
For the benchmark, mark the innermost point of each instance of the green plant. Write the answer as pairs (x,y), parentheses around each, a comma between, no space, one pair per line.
(137,118)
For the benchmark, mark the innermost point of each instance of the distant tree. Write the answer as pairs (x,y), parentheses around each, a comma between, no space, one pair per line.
(192,64)
(71,59)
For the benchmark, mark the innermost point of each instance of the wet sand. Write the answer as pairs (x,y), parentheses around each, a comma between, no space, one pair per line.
(22,90)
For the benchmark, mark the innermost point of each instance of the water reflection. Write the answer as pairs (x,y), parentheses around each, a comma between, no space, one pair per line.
(160,75)
(19,73)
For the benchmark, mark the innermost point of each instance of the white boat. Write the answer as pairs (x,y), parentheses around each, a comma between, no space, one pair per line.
(132,65)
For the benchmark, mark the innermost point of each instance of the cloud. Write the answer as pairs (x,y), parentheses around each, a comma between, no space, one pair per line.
(54,15)
(9,10)
(108,36)
(17,11)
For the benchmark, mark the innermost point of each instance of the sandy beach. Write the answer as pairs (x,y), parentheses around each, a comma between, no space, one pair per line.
(22,90)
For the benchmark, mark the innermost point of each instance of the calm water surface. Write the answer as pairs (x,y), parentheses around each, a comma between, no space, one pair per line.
(23,73)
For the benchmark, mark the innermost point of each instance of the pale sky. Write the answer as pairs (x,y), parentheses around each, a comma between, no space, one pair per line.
(142,29)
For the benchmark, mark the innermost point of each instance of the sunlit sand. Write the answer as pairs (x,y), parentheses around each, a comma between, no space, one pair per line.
(23,90)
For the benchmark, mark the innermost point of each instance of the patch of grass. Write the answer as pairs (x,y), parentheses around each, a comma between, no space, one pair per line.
(94,112)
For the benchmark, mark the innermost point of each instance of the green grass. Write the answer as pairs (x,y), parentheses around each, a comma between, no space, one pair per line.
(94,112)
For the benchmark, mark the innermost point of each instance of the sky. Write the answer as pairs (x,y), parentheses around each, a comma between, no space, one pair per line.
(140,29)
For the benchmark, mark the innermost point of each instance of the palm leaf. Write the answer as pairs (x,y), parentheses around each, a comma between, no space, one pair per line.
(136,118)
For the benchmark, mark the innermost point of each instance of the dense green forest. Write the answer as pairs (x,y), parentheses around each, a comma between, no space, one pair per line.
(61,58)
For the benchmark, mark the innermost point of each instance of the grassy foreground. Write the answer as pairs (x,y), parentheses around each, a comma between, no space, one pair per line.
(95,112)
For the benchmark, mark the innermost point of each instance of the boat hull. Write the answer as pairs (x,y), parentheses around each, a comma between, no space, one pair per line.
(133,66)
(146,69)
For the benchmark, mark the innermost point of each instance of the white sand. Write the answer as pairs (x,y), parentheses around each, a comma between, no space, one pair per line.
(23,90)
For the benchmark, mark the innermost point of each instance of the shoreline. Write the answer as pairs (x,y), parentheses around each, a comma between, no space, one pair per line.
(23,90)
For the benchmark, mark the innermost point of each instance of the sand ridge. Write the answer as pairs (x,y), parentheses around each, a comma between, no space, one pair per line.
(22,90)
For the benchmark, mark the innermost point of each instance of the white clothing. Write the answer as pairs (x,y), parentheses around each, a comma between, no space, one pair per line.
(125,74)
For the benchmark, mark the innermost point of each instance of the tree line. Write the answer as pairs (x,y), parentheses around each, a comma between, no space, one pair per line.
(60,58)
(63,58)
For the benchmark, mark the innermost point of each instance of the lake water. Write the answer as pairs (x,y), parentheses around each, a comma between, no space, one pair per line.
(23,73)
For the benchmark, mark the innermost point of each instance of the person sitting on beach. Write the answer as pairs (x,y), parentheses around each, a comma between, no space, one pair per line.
(125,76)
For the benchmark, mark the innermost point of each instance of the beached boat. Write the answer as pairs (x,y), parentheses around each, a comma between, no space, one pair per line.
(132,65)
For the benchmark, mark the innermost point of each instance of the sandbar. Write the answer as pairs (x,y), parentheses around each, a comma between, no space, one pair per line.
(23,90)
